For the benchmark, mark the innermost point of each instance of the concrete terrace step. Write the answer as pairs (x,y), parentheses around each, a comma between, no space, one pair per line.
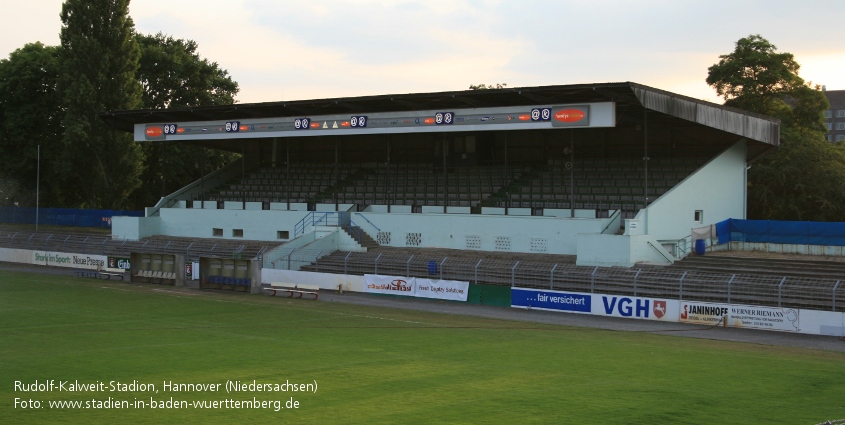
(774,266)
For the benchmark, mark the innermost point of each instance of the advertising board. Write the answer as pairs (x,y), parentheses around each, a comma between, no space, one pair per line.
(442,289)
(551,300)
(635,307)
(412,287)
(63,259)
(740,316)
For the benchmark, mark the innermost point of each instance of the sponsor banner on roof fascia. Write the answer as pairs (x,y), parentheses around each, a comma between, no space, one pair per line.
(442,289)
(636,307)
(540,116)
(63,259)
(551,300)
(740,316)
(394,285)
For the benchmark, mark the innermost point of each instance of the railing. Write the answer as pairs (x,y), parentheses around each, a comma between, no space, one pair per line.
(614,218)
(340,219)
(670,260)
(105,245)
(683,246)
(368,221)
(198,187)
(656,282)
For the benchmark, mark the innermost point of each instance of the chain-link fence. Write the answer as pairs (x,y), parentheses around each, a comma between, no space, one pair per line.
(653,282)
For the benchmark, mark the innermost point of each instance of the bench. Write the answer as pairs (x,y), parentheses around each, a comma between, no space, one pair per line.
(294,288)
(109,272)
(225,280)
(150,274)
(87,273)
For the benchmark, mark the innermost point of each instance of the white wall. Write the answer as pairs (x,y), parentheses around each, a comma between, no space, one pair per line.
(135,228)
(717,189)
(826,250)
(323,280)
(451,230)
(620,250)
(522,233)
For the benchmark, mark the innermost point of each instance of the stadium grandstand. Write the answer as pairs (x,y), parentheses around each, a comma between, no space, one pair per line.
(612,174)
(594,188)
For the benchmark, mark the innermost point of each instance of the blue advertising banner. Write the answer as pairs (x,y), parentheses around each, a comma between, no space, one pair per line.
(63,216)
(785,232)
(550,300)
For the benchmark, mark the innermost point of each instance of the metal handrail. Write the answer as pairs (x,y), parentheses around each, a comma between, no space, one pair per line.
(368,221)
(612,219)
(340,219)
(661,253)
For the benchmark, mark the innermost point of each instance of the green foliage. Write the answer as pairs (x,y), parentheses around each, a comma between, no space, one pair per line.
(49,96)
(100,59)
(170,166)
(486,87)
(173,75)
(29,116)
(755,77)
(804,179)
(381,365)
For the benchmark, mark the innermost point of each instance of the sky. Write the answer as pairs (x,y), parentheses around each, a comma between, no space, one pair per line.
(291,50)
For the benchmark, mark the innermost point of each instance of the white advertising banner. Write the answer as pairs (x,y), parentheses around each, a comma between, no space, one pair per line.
(442,289)
(635,307)
(63,259)
(412,287)
(772,318)
(703,313)
(740,316)
(395,285)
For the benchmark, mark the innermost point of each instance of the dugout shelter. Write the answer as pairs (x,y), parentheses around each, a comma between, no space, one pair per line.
(615,173)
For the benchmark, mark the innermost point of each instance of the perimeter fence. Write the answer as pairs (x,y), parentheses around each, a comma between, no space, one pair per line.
(652,282)
(105,245)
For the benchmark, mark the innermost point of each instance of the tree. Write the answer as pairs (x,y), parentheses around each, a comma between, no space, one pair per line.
(755,77)
(100,59)
(804,179)
(173,75)
(30,115)
(486,87)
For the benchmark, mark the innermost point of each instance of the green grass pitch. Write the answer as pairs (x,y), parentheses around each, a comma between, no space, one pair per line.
(376,365)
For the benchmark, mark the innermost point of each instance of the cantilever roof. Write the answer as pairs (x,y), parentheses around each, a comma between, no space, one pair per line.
(631,100)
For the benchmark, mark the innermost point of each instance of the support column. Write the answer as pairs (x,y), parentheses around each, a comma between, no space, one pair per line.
(507,175)
(645,161)
(571,174)
(336,176)
(287,173)
(445,185)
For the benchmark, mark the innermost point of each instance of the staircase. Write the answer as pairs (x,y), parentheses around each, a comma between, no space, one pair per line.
(366,241)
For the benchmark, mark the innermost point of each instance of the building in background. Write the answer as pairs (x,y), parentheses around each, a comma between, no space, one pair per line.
(835,116)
